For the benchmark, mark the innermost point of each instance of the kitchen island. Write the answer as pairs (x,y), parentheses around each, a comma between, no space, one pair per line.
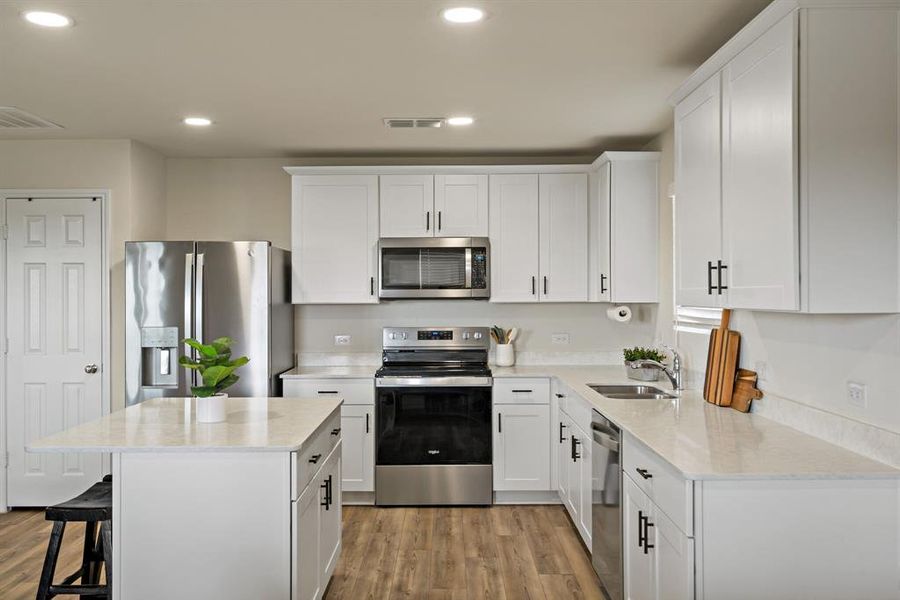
(246,508)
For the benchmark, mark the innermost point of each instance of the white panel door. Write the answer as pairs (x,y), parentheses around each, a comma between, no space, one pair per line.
(515,250)
(573,474)
(698,196)
(639,568)
(461,205)
(54,322)
(584,452)
(334,230)
(562,456)
(358,455)
(522,447)
(673,555)
(563,238)
(760,206)
(634,231)
(305,562)
(407,205)
(600,235)
(329,514)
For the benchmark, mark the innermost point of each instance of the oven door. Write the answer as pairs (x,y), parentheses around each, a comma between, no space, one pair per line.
(422,425)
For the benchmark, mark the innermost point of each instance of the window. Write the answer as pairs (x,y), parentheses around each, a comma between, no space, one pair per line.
(692,319)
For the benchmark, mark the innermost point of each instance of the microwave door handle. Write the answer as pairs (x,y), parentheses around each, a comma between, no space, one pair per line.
(468,268)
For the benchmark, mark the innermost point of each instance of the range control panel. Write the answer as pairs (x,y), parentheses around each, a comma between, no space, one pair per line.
(436,337)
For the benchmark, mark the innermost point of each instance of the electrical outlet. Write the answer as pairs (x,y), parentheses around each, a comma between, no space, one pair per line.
(342,340)
(856,394)
(560,338)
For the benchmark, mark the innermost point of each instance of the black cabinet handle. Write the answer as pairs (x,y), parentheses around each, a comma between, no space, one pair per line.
(545,285)
(647,545)
(719,269)
(522,391)
(560,395)
(603,283)
(439,219)
(641,538)
(371,286)
(644,473)
(336,431)
(575,454)
(532,285)
(561,436)
(325,501)
(367,422)
(428,221)
(314,458)
(709,270)
(499,422)
(327,392)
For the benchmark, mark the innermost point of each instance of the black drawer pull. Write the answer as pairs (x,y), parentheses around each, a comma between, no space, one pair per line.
(336,431)
(644,473)
(327,392)
(562,438)
(602,284)
(523,391)
(314,458)
(560,395)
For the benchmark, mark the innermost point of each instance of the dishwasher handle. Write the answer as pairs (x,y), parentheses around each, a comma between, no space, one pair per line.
(606,440)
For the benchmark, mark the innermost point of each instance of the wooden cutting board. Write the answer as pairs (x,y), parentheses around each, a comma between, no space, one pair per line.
(717,347)
(732,348)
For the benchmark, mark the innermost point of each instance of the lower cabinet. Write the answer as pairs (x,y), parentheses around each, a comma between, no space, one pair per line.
(574,472)
(358,433)
(659,558)
(521,447)
(316,531)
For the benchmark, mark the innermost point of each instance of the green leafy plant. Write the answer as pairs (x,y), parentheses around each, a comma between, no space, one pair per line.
(215,365)
(638,353)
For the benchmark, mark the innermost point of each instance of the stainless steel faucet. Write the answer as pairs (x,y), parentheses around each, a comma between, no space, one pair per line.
(673,373)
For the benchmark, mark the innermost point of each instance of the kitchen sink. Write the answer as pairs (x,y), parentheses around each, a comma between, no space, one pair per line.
(631,392)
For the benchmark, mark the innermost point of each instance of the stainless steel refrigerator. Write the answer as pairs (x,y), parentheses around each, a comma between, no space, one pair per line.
(206,290)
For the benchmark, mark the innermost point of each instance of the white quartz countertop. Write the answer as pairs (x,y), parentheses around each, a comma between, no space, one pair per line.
(348,372)
(704,441)
(170,425)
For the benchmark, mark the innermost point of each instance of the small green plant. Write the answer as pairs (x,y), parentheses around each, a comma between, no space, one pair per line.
(638,353)
(214,363)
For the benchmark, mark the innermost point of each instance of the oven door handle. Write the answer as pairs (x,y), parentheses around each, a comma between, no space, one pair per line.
(433,382)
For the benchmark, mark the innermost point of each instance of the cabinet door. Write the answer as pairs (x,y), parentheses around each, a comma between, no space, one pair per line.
(305,563)
(334,224)
(673,557)
(599,182)
(329,515)
(634,229)
(585,488)
(698,195)
(639,567)
(358,454)
(407,205)
(522,447)
(461,205)
(563,238)
(760,203)
(561,439)
(573,474)
(515,250)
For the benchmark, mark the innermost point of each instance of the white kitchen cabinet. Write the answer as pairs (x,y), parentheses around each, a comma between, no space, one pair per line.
(330,515)
(407,205)
(584,454)
(673,559)
(808,188)
(334,223)
(760,209)
(639,571)
(461,205)
(515,252)
(572,477)
(563,238)
(358,434)
(522,447)
(698,196)
(624,227)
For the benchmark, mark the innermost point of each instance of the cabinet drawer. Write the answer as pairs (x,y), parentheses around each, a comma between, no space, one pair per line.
(352,391)
(520,390)
(309,460)
(576,407)
(662,483)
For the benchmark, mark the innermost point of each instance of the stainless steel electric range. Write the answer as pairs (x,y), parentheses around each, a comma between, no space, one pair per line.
(433,417)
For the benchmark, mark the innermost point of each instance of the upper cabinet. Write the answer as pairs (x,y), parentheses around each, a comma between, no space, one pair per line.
(334,224)
(786,174)
(624,228)
(538,237)
(407,205)
(434,205)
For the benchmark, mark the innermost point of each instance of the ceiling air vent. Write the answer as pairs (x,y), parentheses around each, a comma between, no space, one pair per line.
(420,123)
(14,118)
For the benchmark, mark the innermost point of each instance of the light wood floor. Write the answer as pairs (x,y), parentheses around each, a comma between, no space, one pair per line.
(496,553)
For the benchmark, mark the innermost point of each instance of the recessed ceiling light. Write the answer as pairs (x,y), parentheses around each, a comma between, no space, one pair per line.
(47,19)
(463,14)
(197,121)
(460,121)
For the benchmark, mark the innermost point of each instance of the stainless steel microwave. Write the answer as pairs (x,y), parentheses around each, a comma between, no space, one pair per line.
(434,268)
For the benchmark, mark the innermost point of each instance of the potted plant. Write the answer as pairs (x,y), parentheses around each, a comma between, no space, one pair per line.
(217,372)
(642,373)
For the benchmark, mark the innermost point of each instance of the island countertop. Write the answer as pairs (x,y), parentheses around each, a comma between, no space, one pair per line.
(170,425)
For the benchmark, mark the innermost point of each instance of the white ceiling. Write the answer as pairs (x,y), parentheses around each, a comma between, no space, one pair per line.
(307,78)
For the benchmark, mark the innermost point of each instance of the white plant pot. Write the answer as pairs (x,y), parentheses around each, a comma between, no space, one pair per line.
(211,409)
(506,355)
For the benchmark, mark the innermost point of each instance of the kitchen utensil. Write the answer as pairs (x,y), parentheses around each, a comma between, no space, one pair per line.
(745,390)
(714,364)
(729,366)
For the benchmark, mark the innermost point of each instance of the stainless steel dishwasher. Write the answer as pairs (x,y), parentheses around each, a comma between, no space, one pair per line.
(606,506)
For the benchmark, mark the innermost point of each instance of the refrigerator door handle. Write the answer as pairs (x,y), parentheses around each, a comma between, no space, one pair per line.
(198,299)
(188,311)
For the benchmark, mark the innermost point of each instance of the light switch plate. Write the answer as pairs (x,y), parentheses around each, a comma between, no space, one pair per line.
(342,340)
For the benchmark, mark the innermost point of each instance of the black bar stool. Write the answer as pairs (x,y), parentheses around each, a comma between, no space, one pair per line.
(93,507)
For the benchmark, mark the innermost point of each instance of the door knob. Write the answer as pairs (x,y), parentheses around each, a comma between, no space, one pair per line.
(90,369)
